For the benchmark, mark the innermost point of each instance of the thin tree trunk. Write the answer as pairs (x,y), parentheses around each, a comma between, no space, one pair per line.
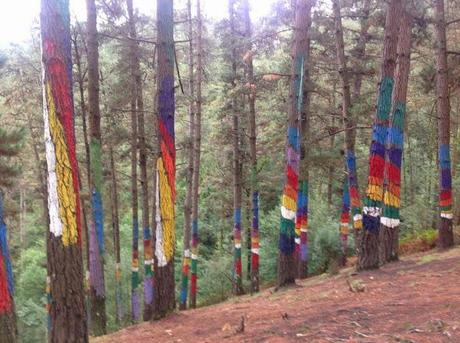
(352,194)
(116,239)
(287,270)
(8,327)
(253,255)
(65,281)
(389,229)
(446,237)
(96,241)
(368,257)
(80,81)
(237,178)
(190,164)
(360,49)
(164,296)
(196,159)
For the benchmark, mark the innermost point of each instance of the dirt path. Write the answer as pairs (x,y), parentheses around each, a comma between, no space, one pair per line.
(415,300)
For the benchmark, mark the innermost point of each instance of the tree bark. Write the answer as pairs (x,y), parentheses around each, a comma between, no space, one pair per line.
(368,257)
(287,270)
(196,159)
(190,165)
(390,219)
(164,296)
(8,327)
(351,195)
(67,318)
(96,241)
(237,161)
(116,239)
(446,237)
(254,235)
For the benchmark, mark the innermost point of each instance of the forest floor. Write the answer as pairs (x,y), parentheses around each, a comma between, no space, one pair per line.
(414,300)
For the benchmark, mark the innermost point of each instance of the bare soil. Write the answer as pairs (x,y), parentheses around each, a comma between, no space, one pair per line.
(414,300)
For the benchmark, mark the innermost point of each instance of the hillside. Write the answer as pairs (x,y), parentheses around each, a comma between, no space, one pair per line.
(414,300)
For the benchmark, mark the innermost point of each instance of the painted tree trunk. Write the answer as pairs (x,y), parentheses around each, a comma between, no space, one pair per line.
(368,257)
(253,260)
(116,240)
(302,194)
(389,228)
(8,328)
(352,194)
(237,163)
(287,270)
(345,221)
(190,165)
(196,160)
(67,319)
(164,297)
(96,236)
(446,237)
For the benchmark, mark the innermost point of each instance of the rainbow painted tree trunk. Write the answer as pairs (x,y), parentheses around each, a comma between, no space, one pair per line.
(255,240)
(237,268)
(164,297)
(389,229)
(368,257)
(196,161)
(301,229)
(67,313)
(345,220)
(355,200)
(8,329)
(287,270)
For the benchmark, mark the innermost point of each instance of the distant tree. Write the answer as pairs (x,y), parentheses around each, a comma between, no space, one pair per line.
(190,165)
(164,296)
(96,236)
(65,280)
(196,158)
(368,257)
(287,271)
(446,237)
(389,229)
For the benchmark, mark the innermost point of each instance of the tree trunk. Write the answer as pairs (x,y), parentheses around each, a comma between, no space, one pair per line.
(360,50)
(287,270)
(446,237)
(67,318)
(8,328)
(196,159)
(368,254)
(301,231)
(80,81)
(237,163)
(253,262)
(116,239)
(189,176)
(96,241)
(164,296)
(352,193)
(395,146)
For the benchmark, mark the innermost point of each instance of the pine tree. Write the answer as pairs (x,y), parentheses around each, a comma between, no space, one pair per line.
(164,296)
(389,229)
(286,260)
(196,159)
(446,237)
(96,236)
(65,280)
(368,257)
